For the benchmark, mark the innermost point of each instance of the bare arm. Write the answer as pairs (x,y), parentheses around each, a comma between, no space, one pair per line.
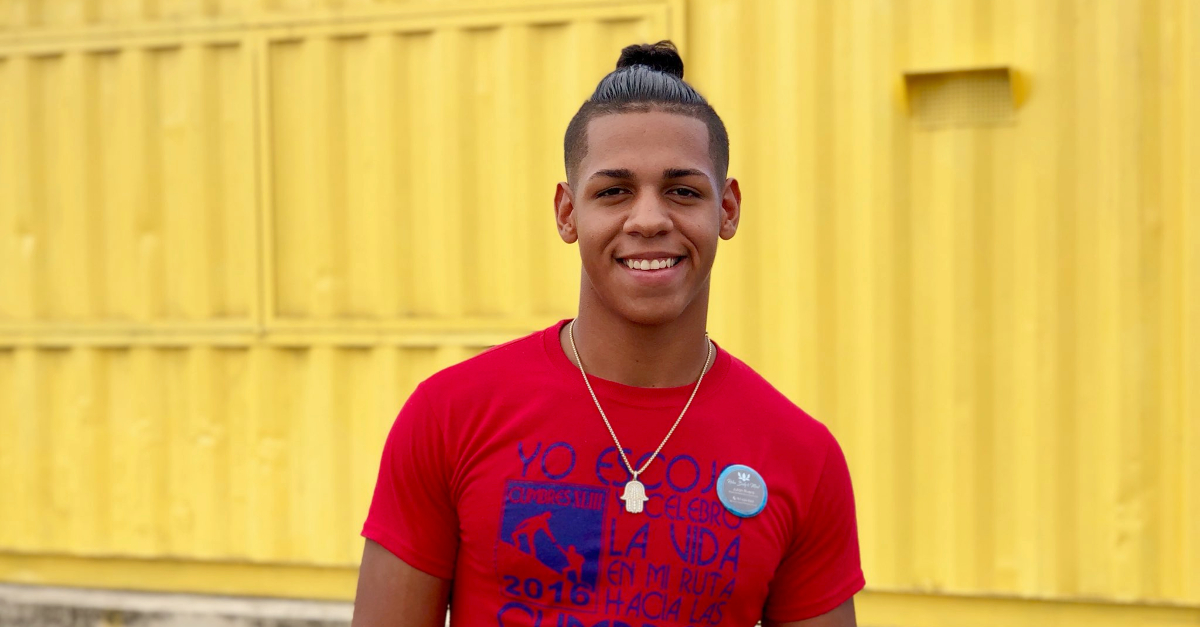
(840,616)
(390,592)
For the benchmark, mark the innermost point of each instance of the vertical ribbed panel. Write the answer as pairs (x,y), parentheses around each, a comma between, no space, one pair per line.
(227,256)
(34,15)
(263,454)
(998,323)
(1181,430)
(422,200)
(127,180)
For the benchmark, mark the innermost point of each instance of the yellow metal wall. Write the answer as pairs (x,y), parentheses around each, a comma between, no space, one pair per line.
(233,236)
(1002,324)
(229,249)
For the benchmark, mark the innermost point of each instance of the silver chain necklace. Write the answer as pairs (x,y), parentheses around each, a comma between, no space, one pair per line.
(635,492)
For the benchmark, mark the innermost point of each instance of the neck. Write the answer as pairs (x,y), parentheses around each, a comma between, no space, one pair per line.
(651,356)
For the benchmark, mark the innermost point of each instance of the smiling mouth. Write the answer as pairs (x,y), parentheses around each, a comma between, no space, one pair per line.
(650,264)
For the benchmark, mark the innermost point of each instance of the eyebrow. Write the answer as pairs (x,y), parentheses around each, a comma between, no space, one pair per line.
(613,174)
(678,173)
(669,173)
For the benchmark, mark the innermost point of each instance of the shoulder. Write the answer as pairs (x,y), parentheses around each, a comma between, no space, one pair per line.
(801,452)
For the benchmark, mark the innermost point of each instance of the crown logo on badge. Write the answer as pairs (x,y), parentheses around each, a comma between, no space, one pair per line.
(743,477)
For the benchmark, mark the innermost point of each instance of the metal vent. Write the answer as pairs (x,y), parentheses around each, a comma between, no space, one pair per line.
(965,97)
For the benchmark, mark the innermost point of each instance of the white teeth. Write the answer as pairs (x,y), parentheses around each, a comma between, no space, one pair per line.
(650,264)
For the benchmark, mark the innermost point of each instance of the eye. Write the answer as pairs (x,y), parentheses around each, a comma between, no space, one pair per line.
(612,191)
(686,192)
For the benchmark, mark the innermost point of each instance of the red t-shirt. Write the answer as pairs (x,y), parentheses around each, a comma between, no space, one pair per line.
(499,474)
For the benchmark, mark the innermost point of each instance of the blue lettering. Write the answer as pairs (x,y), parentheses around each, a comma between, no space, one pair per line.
(700,546)
(639,540)
(702,536)
(602,464)
(732,521)
(525,461)
(695,473)
(612,597)
(556,445)
(658,576)
(536,615)
(712,480)
(649,509)
(635,605)
(731,554)
(682,552)
(618,571)
(641,461)
(711,615)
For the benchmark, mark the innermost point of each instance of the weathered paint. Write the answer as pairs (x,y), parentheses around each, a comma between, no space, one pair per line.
(234,236)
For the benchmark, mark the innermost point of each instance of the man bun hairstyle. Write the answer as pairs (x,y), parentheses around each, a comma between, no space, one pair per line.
(648,77)
(661,56)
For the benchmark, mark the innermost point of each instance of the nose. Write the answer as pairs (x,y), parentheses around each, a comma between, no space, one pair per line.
(648,216)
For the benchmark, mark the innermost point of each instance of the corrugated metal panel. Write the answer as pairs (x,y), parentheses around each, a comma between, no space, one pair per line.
(229,253)
(35,20)
(266,454)
(999,323)
(33,14)
(127,189)
(425,201)
(302,219)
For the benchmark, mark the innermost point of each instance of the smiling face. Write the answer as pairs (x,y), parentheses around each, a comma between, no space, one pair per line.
(647,210)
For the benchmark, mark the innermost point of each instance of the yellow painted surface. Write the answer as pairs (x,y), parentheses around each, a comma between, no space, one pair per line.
(182,575)
(233,236)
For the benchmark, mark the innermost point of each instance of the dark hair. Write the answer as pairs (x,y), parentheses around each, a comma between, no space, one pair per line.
(649,77)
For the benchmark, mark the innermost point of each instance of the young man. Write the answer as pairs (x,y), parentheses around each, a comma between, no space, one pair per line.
(670,484)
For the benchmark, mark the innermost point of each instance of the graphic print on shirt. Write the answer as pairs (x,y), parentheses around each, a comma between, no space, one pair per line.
(548,552)
(565,560)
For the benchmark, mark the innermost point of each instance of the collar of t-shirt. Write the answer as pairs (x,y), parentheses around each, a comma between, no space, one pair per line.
(654,398)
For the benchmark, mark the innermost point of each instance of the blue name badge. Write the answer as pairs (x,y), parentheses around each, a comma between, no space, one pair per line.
(742,490)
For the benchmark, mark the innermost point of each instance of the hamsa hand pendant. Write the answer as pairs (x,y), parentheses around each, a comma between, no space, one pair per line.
(634,496)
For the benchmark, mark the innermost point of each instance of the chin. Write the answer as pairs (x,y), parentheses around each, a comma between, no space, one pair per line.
(651,319)
(651,314)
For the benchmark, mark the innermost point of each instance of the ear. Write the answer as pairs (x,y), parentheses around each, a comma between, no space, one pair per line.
(731,208)
(564,213)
